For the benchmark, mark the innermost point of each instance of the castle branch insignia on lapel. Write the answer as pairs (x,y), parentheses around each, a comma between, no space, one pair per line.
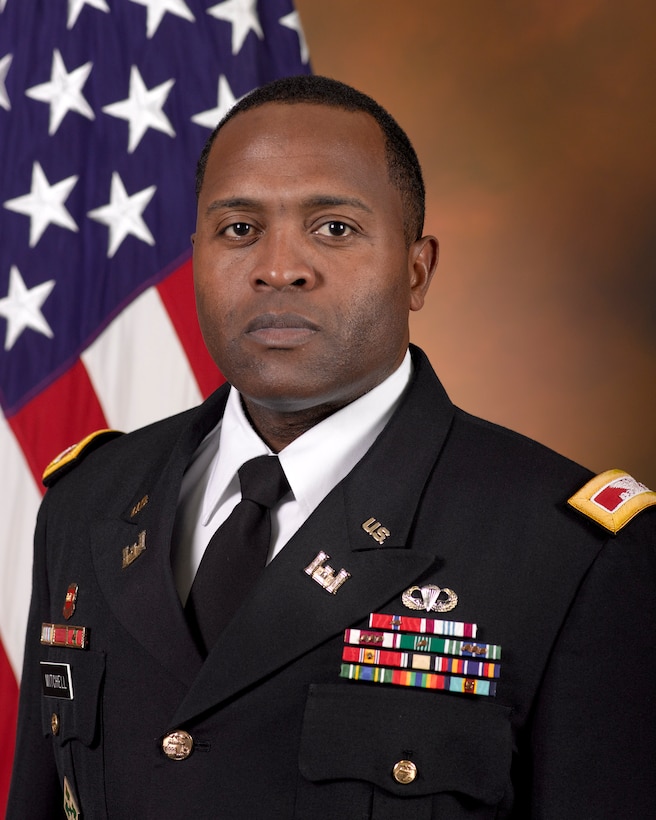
(325,575)
(131,553)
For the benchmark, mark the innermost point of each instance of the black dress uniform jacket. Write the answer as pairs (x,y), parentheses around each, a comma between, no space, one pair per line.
(570,734)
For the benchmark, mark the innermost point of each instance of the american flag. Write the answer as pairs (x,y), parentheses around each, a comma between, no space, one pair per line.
(104,108)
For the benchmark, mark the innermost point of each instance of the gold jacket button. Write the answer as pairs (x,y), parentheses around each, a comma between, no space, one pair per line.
(404,772)
(54,723)
(178,745)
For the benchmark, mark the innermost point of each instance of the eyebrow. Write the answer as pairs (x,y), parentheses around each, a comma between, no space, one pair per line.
(318,201)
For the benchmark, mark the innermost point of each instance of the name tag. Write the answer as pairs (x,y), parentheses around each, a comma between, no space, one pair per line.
(56,680)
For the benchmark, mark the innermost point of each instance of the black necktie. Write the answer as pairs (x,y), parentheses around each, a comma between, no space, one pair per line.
(237,552)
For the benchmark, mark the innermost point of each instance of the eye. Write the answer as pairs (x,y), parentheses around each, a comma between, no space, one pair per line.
(238,229)
(335,228)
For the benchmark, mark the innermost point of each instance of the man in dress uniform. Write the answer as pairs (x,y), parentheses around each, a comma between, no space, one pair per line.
(327,592)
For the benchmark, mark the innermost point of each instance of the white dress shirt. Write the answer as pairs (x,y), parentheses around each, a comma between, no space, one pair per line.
(314,464)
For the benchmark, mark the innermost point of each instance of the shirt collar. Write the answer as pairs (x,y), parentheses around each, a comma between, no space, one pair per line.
(316,461)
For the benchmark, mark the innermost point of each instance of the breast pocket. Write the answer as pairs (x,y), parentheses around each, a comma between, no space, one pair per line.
(71,716)
(378,753)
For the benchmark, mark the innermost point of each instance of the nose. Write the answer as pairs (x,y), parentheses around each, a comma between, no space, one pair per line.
(283,262)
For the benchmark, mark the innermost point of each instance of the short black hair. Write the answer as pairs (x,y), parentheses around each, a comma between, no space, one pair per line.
(402,162)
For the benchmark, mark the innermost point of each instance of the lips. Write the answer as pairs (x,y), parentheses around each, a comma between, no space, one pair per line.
(281,329)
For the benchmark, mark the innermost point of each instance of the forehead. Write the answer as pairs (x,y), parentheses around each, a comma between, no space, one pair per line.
(301,142)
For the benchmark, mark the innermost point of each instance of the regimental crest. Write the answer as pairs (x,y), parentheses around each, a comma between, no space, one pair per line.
(69,602)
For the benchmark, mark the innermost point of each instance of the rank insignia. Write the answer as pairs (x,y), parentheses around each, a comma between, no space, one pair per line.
(430,598)
(406,651)
(69,602)
(612,499)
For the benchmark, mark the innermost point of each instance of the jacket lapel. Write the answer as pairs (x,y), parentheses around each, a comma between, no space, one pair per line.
(288,613)
(141,591)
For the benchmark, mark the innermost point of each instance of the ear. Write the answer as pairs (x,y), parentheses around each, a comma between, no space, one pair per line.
(193,239)
(422,262)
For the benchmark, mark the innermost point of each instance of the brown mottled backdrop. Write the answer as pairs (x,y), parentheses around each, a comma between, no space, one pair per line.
(536,126)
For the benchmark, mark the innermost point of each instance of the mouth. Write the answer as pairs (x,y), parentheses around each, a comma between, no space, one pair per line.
(280,330)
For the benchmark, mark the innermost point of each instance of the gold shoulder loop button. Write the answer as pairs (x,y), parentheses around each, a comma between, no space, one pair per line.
(69,457)
(612,499)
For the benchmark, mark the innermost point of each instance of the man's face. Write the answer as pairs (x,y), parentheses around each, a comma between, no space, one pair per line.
(303,278)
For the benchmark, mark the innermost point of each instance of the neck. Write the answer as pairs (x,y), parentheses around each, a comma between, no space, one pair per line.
(278,429)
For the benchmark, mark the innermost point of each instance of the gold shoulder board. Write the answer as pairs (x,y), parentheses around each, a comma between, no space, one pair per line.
(72,455)
(612,499)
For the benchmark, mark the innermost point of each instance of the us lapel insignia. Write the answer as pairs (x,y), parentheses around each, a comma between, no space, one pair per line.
(430,598)
(138,507)
(376,530)
(325,575)
(69,602)
(132,552)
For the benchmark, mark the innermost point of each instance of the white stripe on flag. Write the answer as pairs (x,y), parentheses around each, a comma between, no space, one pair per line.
(138,367)
(19,503)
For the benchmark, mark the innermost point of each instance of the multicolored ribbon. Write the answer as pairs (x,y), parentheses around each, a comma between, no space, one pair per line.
(426,626)
(420,662)
(422,643)
(422,680)
(75,637)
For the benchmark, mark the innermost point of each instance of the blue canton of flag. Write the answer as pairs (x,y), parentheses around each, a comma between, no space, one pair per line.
(104,108)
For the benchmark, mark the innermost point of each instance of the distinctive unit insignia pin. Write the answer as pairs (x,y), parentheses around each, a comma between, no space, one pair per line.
(132,552)
(325,575)
(69,602)
(430,598)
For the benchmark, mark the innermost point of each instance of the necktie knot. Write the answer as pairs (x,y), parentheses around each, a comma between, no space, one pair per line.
(263,481)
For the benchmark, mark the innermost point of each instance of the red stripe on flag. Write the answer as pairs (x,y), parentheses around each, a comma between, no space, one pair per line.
(62,414)
(177,293)
(8,715)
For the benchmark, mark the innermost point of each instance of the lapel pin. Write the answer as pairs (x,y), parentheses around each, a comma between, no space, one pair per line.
(376,530)
(69,602)
(430,598)
(138,507)
(325,575)
(131,553)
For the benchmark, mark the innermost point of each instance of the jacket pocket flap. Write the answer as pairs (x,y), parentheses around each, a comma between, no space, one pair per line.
(458,744)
